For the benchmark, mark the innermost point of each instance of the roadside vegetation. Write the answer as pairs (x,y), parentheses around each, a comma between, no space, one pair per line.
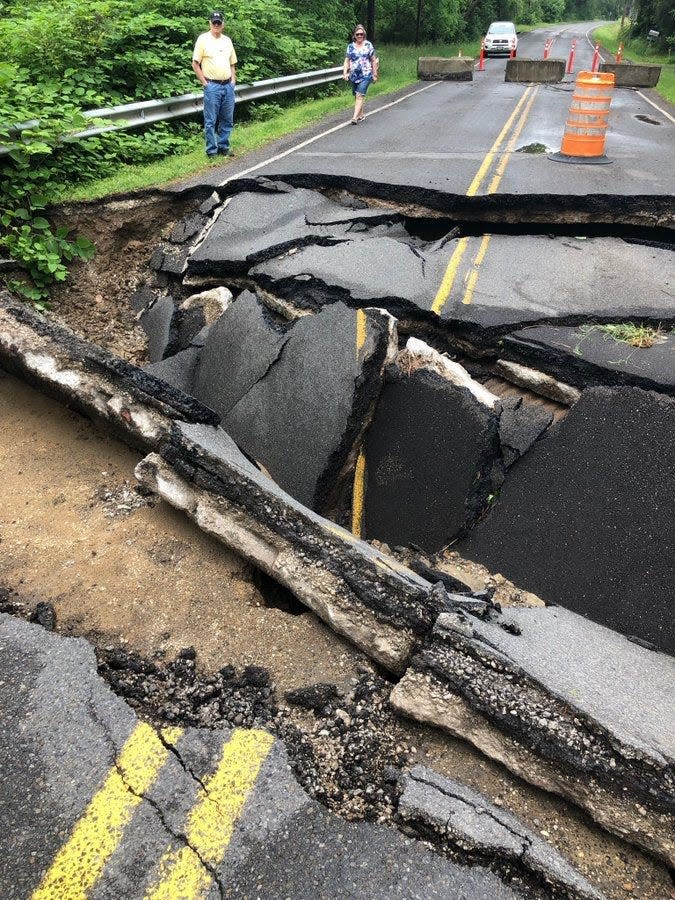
(637,48)
(105,52)
(636,335)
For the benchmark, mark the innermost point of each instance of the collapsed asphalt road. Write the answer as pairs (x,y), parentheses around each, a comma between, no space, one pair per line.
(362,593)
(304,373)
(288,410)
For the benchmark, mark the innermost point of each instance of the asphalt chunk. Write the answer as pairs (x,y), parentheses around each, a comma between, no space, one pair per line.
(584,521)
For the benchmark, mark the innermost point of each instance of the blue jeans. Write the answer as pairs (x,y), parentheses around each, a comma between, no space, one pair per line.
(218,116)
(362,86)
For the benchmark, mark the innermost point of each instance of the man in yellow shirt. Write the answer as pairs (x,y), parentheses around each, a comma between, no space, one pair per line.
(214,63)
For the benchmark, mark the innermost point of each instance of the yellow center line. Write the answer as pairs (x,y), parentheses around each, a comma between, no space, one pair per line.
(494,184)
(359,487)
(473,277)
(79,863)
(499,173)
(451,272)
(449,278)
(358,494)
(183,874)
(487,162)
(361,330)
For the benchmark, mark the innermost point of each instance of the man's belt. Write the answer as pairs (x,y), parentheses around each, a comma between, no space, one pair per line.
(219,80)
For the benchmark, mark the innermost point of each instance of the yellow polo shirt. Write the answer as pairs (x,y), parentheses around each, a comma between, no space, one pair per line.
(216,56)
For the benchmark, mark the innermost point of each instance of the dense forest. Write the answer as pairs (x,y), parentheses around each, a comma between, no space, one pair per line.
(118,50)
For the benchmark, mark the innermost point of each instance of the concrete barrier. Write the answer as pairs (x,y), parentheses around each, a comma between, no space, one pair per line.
(439,68)
(627,74)
(541,71)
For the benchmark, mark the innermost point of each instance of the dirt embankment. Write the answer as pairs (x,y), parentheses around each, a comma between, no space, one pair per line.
(94,302)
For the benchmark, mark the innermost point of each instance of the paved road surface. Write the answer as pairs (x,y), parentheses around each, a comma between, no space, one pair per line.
(97,803)
(438,136)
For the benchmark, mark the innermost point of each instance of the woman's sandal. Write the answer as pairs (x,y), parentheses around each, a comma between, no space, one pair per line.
(360,119)
(354,121)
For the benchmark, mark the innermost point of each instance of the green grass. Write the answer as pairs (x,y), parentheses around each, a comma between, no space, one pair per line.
(641,336)
(398,68)
(640,51)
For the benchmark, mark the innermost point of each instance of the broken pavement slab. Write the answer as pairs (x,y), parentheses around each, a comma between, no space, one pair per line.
(585,519)
(520,425)
(255,225)
(305,395)
(587,356)
(566,704)
(376,603)
(429,454)
(238,351)
(409,279)
(97,802)
(460,818)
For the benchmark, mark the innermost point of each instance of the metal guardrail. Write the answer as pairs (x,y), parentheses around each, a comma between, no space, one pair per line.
(147,112)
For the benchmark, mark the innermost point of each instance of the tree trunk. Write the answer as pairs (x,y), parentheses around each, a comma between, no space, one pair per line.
(370,23)
(420,4)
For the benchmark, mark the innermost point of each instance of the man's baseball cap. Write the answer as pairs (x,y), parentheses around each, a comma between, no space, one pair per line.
(216,17)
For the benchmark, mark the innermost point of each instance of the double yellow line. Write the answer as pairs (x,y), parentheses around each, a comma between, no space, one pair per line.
(182,873)
(523,107)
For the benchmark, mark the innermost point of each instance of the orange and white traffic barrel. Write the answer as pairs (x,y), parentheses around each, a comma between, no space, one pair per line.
(587,120)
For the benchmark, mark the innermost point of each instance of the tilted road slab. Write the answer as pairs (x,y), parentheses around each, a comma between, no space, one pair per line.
(305,400)
(521,280)
(590,356)
(585,518)
(569,705)
(254,225)
(429,455)
(458,816)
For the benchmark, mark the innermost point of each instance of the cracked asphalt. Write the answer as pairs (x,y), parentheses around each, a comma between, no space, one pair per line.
(104,805)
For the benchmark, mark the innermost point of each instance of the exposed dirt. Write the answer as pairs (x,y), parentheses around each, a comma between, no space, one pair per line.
(133,575)
(74,532)
(94,302)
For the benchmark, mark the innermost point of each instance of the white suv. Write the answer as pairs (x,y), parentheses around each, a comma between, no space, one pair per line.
(501,37)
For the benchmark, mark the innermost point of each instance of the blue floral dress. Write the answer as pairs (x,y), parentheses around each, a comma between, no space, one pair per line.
(360,63)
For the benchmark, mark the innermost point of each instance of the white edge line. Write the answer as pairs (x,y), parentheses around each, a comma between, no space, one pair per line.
(602,58)
(323,134)
(651,102)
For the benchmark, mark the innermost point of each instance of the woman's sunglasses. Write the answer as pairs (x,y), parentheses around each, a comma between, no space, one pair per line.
(359,34)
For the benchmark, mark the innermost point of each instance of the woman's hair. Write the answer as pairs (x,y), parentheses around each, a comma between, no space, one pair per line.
(359,28)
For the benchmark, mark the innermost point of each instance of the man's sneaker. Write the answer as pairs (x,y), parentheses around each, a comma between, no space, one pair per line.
(228,152)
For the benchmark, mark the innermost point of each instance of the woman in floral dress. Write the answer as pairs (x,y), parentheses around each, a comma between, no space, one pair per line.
(360,68)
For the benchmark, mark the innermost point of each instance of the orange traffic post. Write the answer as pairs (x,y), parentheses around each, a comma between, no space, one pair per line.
(587,120)
(570,61)
(512,54)
(481,58)
(595,65)
(619,53)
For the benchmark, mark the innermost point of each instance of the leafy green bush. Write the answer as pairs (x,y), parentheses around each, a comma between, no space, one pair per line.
(26,178)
